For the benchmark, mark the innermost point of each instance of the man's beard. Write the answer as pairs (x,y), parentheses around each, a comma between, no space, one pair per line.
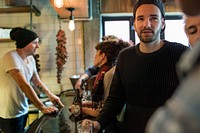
(33,53)
(149,39)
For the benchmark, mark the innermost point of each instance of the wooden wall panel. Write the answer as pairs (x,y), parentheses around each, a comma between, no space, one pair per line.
(116,6)
(126,6)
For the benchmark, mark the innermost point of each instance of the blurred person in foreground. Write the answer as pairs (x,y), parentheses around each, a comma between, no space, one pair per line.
(189,7)
(18,79)
(145,75)
(181,112)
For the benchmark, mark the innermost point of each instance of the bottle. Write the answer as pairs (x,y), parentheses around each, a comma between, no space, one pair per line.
(78,105)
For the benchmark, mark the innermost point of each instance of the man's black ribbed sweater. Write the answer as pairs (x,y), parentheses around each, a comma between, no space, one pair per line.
(144,81)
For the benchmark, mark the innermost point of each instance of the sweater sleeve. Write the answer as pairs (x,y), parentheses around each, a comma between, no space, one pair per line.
(92,71)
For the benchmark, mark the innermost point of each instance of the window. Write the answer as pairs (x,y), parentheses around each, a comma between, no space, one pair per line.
(120,26)
(174,30)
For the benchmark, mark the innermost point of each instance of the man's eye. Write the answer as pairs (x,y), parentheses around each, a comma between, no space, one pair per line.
(34,42)
(192,30)
(154,18)
(140,19)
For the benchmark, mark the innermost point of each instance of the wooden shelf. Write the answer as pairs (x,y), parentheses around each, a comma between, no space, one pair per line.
(5,40)
(20,9)
(14,9)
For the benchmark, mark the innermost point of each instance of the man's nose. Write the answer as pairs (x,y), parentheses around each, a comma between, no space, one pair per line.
(37,45)
(147,23)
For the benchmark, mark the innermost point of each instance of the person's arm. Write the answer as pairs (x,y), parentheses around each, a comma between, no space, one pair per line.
(82,78)
(90,111)
(86,110)
(93,70)
(86,75)
(39,84)
(30,93)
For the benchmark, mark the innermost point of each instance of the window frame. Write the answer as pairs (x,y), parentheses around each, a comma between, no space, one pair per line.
(119,18)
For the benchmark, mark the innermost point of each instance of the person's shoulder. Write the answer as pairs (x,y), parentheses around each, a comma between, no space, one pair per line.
(128,49)
(9,54)
(111,69)
(176,45)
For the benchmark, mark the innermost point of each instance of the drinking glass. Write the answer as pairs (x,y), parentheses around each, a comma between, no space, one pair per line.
(83,129)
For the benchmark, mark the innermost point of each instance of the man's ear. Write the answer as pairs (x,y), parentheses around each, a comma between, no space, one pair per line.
(163,24)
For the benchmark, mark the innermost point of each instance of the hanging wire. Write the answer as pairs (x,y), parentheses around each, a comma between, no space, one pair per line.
(59,21)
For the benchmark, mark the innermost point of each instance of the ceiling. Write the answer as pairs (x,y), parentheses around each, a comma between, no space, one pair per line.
(82,9)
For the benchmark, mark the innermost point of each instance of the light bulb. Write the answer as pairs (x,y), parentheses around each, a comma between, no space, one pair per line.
(71,25)
(58,3)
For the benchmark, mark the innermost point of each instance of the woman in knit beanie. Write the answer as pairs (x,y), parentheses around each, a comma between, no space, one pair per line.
(17,71)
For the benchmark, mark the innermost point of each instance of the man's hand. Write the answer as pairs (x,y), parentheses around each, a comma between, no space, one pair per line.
(49,110)
(78,84)
(55,100)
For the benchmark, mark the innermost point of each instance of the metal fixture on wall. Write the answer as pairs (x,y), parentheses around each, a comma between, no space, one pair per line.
(58,3)
(71,19)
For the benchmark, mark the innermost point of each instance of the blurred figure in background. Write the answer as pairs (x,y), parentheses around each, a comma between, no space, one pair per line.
(181,112)
(18,79)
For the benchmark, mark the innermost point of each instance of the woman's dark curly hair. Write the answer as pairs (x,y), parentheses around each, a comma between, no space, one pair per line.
(111,48)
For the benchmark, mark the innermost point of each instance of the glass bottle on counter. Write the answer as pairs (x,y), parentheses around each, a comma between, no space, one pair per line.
(78,105)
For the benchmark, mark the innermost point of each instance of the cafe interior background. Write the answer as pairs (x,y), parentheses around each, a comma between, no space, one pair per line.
(93,19)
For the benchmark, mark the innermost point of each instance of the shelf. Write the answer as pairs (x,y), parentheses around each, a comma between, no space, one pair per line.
(14,9)
(5,40)
(20,9)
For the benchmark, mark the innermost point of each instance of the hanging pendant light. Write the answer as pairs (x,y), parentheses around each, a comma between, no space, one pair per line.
(58,3)
(71,19)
